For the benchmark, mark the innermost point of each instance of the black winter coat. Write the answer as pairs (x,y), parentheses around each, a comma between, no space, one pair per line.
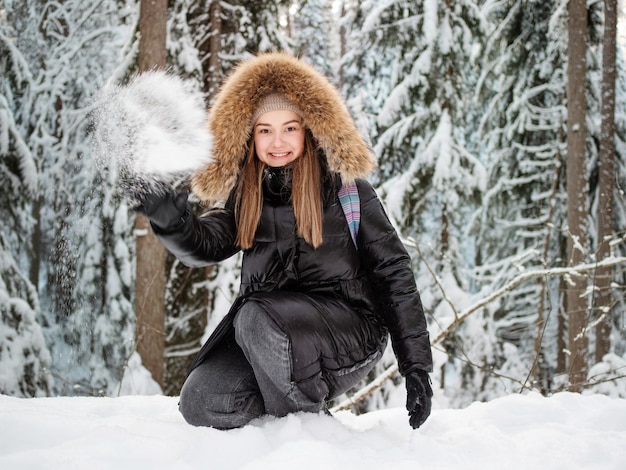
(376,280)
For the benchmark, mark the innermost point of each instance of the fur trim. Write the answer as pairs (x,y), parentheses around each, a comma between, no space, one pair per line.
(324,113)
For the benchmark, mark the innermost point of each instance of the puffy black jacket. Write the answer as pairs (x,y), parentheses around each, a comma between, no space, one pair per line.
(375,280)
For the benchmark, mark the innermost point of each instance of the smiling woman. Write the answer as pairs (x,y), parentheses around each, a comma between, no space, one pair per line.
(315,308)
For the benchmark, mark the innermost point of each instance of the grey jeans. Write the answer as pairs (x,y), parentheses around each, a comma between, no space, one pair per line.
(252,377)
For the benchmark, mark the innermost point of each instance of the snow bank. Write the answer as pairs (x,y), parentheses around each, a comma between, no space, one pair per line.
(515,432)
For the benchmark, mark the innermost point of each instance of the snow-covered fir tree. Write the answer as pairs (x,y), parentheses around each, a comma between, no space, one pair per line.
(618,242)
(521,129)
(253,26)
(77,258)
(364,72)
(431,179)
(24,355)
(522,222)
(23,351)
(241,28)
(313,33)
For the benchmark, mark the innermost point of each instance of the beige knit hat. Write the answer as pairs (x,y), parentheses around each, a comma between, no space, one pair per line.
(274,102)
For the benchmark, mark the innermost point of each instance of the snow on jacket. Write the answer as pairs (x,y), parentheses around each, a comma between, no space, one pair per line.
(375,280)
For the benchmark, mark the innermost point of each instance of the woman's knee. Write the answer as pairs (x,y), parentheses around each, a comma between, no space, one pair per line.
(190,404)
(222,392)
(203,407)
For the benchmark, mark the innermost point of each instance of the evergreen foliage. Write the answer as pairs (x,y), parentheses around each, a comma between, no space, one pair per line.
(314,35)
(75,240)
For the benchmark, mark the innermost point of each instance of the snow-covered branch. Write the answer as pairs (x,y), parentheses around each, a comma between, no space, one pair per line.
(575,271)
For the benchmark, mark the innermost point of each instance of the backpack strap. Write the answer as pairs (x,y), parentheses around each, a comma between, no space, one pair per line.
(351,205)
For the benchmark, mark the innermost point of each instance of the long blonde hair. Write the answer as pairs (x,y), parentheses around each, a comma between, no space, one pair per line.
(306,195)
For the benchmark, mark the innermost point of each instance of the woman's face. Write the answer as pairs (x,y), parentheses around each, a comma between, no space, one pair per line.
(278,137)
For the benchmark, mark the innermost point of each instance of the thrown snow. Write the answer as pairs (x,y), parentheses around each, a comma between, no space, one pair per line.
(153,127)
(564,431)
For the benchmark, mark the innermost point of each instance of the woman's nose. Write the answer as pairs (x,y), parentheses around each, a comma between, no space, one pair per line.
(278,139)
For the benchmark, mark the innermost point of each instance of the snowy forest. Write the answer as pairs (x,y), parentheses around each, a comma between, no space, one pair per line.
(500,132)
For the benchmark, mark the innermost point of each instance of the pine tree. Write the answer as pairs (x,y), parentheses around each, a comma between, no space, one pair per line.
(522,88)
(522,224)
(312,32)
(431,176)
(24,355)
(577,190)
(606,177)
(363,72)
(23,351)
(68,51)
(608,224)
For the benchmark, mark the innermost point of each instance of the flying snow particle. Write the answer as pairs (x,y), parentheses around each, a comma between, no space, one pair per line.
(152,129)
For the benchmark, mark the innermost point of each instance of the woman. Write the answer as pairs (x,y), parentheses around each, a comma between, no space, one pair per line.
(317,301)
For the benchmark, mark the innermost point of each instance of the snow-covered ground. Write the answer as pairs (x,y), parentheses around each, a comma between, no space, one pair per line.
(566,431)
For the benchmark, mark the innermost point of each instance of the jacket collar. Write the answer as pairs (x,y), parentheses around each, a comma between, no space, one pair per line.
(277,183)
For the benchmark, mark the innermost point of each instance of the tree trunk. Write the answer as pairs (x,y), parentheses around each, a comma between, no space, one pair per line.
(153,31)
(36,242)
(606,180)
(576,191)
(214,77)
(561,335)
(150,269)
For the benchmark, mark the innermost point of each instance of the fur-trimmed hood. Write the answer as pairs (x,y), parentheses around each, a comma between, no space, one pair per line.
(324,113)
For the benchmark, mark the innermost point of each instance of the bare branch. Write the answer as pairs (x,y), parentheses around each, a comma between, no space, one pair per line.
(412,243)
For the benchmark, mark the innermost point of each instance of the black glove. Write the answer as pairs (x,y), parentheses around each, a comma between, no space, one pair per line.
(418,394)
(162,205)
